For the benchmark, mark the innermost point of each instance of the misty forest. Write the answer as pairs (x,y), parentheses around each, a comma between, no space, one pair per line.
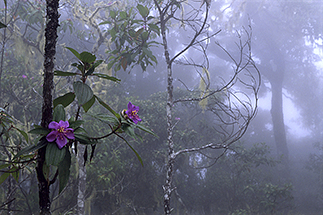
(152,107)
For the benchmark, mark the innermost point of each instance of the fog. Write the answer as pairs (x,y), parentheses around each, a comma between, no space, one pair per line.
(231,89)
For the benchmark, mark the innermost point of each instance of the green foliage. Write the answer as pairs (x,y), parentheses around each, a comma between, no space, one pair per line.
(243,175)
(54,155)
(64,170)
(131,36)
(61,158)
(83,92)
(59,113)
(64,100)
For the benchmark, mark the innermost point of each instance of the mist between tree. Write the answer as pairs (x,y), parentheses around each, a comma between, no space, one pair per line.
(161,107)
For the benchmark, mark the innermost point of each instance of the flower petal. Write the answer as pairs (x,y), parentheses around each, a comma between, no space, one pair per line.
(135,119)
(130,106)
(69,133)
(52,136)
(61,140)
(63,124)
(53,125)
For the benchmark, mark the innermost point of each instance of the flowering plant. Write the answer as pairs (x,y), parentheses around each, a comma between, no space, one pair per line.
(59,130)
(60,133)
(132,113)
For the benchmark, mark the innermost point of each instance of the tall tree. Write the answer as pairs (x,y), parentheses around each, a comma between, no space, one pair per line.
(232,109)
(232,99)
(47,115)
(285,33)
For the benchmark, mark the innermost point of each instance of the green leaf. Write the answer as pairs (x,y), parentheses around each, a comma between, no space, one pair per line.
(87,57)
(144,12)
(3,177)
(105,118)
(76,124)
(108,108)
(95,64)
(146,130)
(5,165)
(83,92)
(88,104)
(83,139)
(154,28)
(113,14)
(105,22)
(43,142)
(59,113)
(15,173)
(2,25)
(39,130)
(54,155)
(123,15)
(64,171)
(24,134)
(111,78)
(74,52)
(129,130)
(61,73)
(65,100)
(138,156)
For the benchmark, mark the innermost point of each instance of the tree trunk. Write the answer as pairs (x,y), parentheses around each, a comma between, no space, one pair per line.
(171,154)
(81,180)
(278,119)
(47,115)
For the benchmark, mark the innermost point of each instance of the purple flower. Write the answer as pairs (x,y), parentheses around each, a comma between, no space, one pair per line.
(132,113)
(177,118)
(24,76)
(60,133)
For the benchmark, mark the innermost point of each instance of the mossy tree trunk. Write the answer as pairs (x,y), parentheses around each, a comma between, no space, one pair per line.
(47,110)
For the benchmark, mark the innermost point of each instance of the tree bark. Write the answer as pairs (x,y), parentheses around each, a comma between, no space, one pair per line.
(48,85)
(171,154)
(81,180)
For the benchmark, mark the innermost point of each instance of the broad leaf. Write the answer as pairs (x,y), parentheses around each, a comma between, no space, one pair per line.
(111,78)
(75,124)
(65,100)
(3,177)
(108,108)
(15,173)
(61,73)
(87,57)
(64,171)
(2,25)
(154,28)
(54,155)
(39,130)
(5,165)
(144,12)
(105,118)
(146,130)
(74,52)
(59,113)
(24,134)
(83,139)
(43,142)
(83,92)
(95,64)
(129,130)
(88,104)
(138,156)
